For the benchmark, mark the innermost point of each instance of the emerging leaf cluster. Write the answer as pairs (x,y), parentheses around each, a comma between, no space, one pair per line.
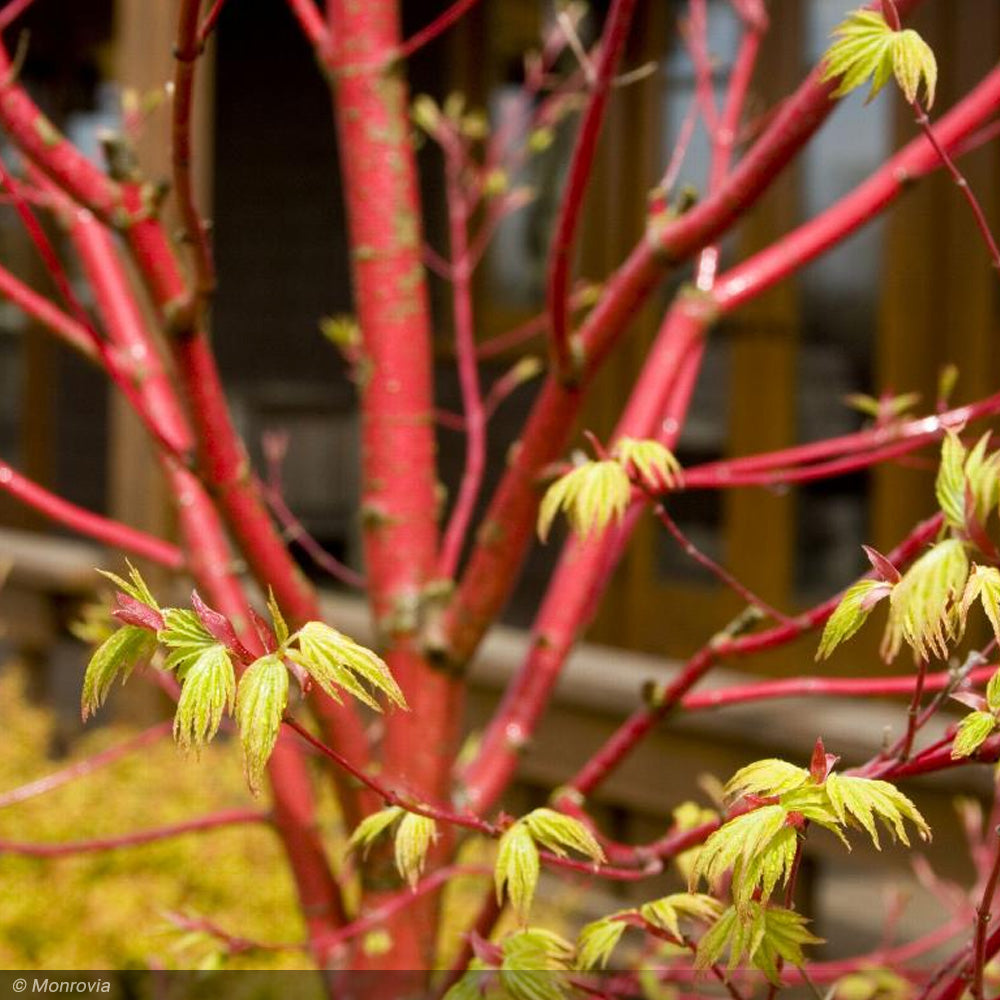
(413,839)
(759,848)
(594,494)
(202,648)
(764,936)
(598,939)
(517,865)
(930,602)
(867,48)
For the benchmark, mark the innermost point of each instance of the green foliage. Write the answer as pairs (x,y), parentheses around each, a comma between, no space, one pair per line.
(972,733)
(335,661)
(654,464)
(414,837)
(852,612)
(260,706)
(968,482)
(528,952)
(136,587)
(866,47)
(559,832)
(516,870)
(984,584)
(873,984)
(766,777)
(116,656)
(667,913)
(925,606)
(598,939)
(593,495)
(372,827)
(863,800)
(765,937)
(208,690)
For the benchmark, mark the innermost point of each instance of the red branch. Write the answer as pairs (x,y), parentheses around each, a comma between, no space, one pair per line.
(227,817)
(581,164)
(105,530)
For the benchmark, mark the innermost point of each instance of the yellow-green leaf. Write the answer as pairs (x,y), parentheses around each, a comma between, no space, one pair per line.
(529,952)
(517,867)
(372,827)
(667,913)
(116,656)
(135,586)
(557,832)
(984,584)
(653,463)
(260,705)
(597,940)
(766,777)
(592,495)
(852,612)
(207,692)
(972,733)
(925,606)
(335,661)
(414,836)
(914,64)
(863,800)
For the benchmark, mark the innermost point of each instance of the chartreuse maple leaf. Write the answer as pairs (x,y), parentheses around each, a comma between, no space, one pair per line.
(973,731)
(260,705)
(528,952)
(867,48)
(968,481)
(412,840)
(592,495)
(765,937)
(598,939)
(852,612)
(984,585)
(517,865)
(925,606)
(115,657)
(651,461)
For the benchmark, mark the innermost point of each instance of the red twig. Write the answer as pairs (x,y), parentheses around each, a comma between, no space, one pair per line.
(616,28)
(12,12)
(226,817)
(80,768)
(984,912)
(188,48)
(311,21)
(439,25)
(109,532)
(465,352)
(207,26)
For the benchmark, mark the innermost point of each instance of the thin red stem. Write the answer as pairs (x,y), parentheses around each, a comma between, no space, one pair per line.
(227,817)
(188,47)
(12,12)
(438,26)
(984,912)
(613,38)
(80,768)
(105,530)
(207,26)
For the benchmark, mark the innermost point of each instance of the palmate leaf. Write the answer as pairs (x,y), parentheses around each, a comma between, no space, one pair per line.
(851,613)
(372,827)
(559,833)
(336,662)
(756,876)
(967,475)
(654,464)
(866,47)
(925,606)
(260,705)
(984,585)
(766,777)
(863,800)
(185,637)
(593,495)
(598,939)
(667,913)
(737,841)
(687,816)
(116,657)
(516,870)
(972,733)
(136,587)
(207,692)
(534,964)
(414,837)
(762,935)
